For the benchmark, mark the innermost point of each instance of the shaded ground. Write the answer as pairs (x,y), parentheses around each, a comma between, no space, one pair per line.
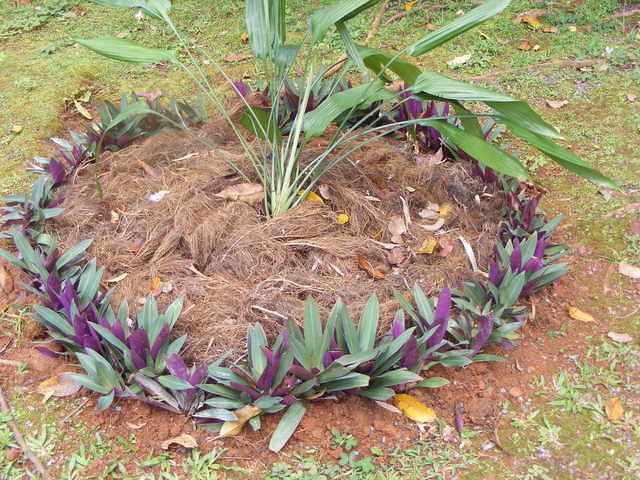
(553,426)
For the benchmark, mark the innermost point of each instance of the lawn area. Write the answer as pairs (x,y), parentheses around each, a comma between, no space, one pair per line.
(577,64)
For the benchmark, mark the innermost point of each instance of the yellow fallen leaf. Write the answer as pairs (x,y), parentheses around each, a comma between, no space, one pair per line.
(244,37)
(82,111)
(155,283)
(244,414)
(414,409)
(378,236)
(614,409)
(445,209)
(311,197)
(531,20)
(57,386)
(342,218)
(408,6)
(409,189)
(117,279)
(578,314)
(573,28)
(428,245)
(16,129)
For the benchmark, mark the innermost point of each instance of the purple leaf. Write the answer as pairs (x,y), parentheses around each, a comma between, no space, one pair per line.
(516,256)
(495,274)
(51,260)
(139,345)
(485,326)
(288,400)
(160,340)
(57,171)
(241,88)
(248,390)
(301,372)
(47,352)
(410,353)
(397,327)
(198,375)
(540,247)
(441,317)
(269,373)
(176,367)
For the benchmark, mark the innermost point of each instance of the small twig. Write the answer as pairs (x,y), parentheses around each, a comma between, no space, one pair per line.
(264,310)
(74,412)
(563,63)
(4,407)
(11,363)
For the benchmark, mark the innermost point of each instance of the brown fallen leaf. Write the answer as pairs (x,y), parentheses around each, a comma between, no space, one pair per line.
(414,409)
(135,426)
(408,6)
(244,37)
(629,270)
(117,279)
(432,27)
(185,440)
(550,30)
(244,414)
(396,228)
(531,20)
(162,287)
(557,104)
(237,57)
(397,255)
(58,386)
(366,266)
(82,111)
(578,314)
(446,246)
(614,409)
(150,171)
(445,209)
(389,407)
(429,244)
(536,13)
(250,193)
(325,191)
(6,281)
(525,46)
(620,337)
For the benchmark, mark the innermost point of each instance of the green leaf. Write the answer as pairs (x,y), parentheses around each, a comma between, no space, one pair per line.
(55,320)
(287,425)
(395,377)
(563,157)
(317,121)
(261,124)
(128,51)
(460,25)
(88,382)
(377,393)
(74,254)
(378,61)
(479,149)
(105,401)
(323,19)
(156,8)
(485,357)
(218,414)
(265,26)
(433,382)
(174,383)
(257,359)
(369,323)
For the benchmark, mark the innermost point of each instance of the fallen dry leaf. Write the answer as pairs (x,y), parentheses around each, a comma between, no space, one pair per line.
(396,228)
(461,60)
(629,270)
(435,227)
(244,414)
(525,46)
(150,171)
(237,57)
(620,337)
(414,409)
(244,37)
(57,386)
(6,281)
(631,97)
(155,283)
(429,244)
(614,409)
(445,209)
(536,13)
(16,129)
(117,279)
(388,406)
(397,255)
(134,426)
(82,111)
(557,104)
(325,191)
(430,212)
(446,246)
(408,6)
(531,20)
(573,28)
(342,218)
(550,30)
(366,266)
(185,440)
(578,314)
(162,287)
(250,193)
(311,197)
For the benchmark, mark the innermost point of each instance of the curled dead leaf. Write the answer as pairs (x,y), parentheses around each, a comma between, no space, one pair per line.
(366,266)
(311,197)
(550,30)
(388,406)
(16,129)
(185,440)
(531,14)
(620,337)
(250,193)
(414,409)
(525,46)
(434,227)
(58,386)
(325,191)
(556,104)
(446,246)
(117,279)
(445,209)
(136,426)
(397,228)
(244,414)
(629,270)
(578,314)
(531,20)
(614,409)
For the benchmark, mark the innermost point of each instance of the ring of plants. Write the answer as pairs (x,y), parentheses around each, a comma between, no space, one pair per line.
(295,132)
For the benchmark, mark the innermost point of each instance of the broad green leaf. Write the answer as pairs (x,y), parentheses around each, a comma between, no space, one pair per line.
(378,61)
(287,425)
(174,383)
(369,323)
(433,382)
(128,51)
(396,377)
(88,382)
(485,357)
(261,124)
(460,25)
(350,46)
(74,254)
(485,153)
(317,121)
(265,26)
(257,359)
(156,8)
(313,330)
(55,320)
(105,401)
(340,11)
(563,157)
(218,414)
(377,393)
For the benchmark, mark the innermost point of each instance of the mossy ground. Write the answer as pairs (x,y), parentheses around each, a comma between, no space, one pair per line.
(559,432)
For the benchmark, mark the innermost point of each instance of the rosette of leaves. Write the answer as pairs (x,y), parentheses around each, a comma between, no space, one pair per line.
(29,212)
(99,376)
(533,257)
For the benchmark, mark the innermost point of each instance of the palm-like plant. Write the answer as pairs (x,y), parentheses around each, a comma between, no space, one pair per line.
(278,161)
